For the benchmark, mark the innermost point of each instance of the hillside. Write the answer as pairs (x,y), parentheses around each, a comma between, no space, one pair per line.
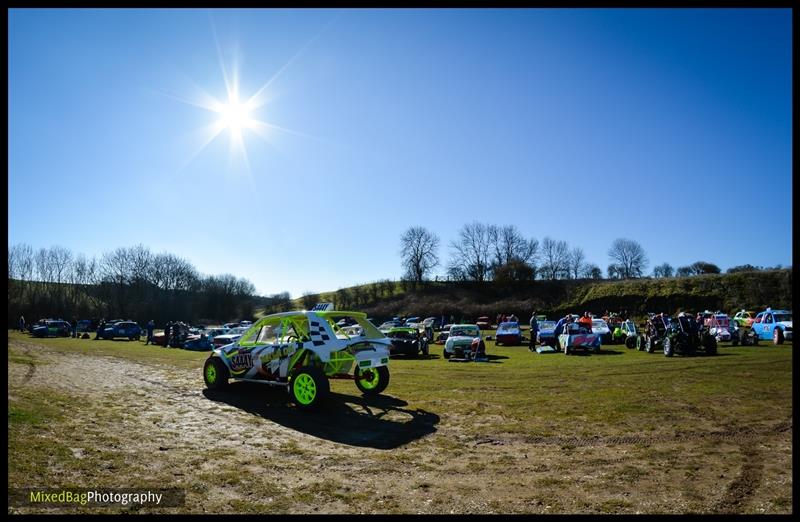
(729,292)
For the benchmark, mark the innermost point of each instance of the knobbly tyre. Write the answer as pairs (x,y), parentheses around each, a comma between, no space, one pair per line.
(302,351)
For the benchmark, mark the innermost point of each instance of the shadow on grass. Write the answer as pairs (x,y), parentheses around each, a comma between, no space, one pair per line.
(418,357)
(379,422)
(590,352)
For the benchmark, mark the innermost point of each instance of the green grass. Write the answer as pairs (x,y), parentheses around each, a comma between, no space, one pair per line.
(519,395)
(536,394)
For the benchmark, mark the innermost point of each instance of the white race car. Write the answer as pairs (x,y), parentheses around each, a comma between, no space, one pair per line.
(301,351)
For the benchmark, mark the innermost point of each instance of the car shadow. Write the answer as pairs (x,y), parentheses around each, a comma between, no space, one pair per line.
(418,357)
(590,352)
(379,422)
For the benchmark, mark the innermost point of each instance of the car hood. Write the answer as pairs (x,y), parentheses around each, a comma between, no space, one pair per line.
(460,339)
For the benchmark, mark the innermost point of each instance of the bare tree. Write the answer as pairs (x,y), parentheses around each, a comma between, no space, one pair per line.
(554,258)
(507,244)
(418,248)
(663,270)
(592,271)
(576,262)
(629,256)
(471,259)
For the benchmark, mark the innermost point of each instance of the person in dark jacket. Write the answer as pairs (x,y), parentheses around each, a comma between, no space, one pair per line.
(100,328)
(150,326)
(534,330)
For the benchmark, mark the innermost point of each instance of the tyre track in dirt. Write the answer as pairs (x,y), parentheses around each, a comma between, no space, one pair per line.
(745,484)
(737,435)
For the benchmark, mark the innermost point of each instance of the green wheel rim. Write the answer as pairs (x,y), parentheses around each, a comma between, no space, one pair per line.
(211,374)
(369,379)
(305,389)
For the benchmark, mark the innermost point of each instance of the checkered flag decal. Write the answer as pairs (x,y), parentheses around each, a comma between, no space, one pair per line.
(318,334)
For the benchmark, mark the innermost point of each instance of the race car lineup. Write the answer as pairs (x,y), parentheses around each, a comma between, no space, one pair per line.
(303,350)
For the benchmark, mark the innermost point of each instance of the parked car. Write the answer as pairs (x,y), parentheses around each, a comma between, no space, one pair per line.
(443,334)
(85,325)
(459,340)
(576,337)
(128,329)
(433,323)
(484,323)
(411,320)
(232,336)
(52,328)
(509,334)
(301,352)
(388,325)
(773,324)
(627,333)
(744,318)
(718,325)
(406,341)
(202,343)
(600,327)
(546,334)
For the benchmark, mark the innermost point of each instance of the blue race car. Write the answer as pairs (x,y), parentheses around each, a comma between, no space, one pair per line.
(546,333)
(773,324)
(127,329)
(51,328)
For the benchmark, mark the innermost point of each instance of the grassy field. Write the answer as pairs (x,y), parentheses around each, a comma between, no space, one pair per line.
(617,432)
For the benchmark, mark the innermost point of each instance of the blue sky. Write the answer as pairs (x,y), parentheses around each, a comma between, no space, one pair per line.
(668,126)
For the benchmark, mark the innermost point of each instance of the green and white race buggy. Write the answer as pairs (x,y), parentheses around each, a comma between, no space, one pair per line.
(302,350)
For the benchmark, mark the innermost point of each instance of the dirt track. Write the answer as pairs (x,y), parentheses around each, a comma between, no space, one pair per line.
(247,449)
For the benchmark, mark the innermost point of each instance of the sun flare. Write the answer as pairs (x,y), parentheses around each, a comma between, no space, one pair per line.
(235,116)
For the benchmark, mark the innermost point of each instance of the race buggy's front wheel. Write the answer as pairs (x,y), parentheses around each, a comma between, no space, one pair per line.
(309,387)
(372,381)
(215,373)
(667,347)
(630,342)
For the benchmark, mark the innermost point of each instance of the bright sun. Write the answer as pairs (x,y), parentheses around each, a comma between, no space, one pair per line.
(235,116)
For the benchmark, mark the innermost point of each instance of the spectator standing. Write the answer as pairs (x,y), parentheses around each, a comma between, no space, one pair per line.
(100,328)
(74,327)
(534,330)
(21,323)
(167,332)
(586,321)
(150,325)
(560,325)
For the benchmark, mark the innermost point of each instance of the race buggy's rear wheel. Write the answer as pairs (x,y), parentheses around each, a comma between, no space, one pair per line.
(372,381)
(215,373)
(308,387)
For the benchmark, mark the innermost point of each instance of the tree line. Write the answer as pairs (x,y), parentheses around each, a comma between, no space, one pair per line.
(486,252)
(126,283)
